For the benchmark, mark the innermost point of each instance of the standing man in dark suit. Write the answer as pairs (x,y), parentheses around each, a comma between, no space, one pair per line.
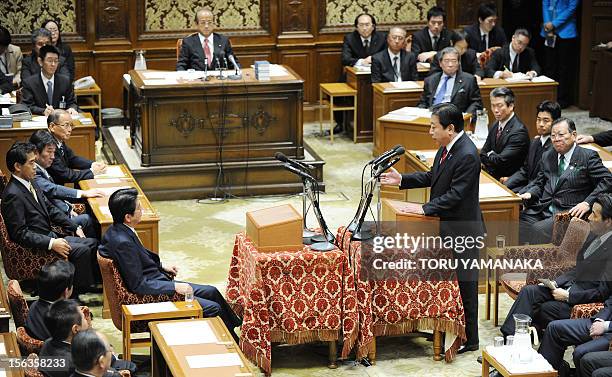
(68,167)
(570,179)
(589,281)
(432,38)
(28,215)
(508,141)
(205,46)
(453,179)
(47,91)
(30,64)
(359,46)
(548,112)
(485,33)
(142,270)
(603,139)
(468,62)
(394,64)
(592,334)
(514,57)
(61,196)
(451,85)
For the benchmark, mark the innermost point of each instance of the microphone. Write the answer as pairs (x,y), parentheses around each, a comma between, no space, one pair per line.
(237,75)
(390,153)
(382,169)
(298,172)
(217,60)
(297,164)
(225,63)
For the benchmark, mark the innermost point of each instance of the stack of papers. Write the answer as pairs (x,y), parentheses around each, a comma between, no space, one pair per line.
(423,65)
(113,171)
(363,69)
(155,307)
(542,79)
(262,70)
(402,86)
(407,114)
(183,333)
(492,190)
(518,76)
(214,361)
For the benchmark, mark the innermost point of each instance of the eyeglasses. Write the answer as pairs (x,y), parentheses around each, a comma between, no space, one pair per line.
(206,22)
(66,126)
(368,24)
(559,136)
(397,37)
(52,61)
(448,61)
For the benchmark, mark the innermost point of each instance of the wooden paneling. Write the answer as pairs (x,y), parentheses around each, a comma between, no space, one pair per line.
(326,65)
(300,62)
(109,76)
(111,19)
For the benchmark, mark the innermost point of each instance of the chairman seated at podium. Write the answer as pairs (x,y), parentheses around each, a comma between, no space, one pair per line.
(205,45)
(453,179)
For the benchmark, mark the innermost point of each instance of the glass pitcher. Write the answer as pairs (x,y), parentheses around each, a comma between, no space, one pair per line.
(140,63)
(482,124)
(523,351)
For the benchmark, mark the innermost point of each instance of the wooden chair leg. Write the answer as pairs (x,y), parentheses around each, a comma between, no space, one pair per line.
(372,353)
(437,345)
(333,355)
(331,119)
(354,118)
(321,111)
(127,337)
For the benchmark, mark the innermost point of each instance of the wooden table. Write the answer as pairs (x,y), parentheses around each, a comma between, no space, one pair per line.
(193,311)
(606,157)
(12,350)
(187,122)
(172,360)
(490,361)
(82,141)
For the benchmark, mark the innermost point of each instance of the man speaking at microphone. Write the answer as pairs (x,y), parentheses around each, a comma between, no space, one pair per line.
(205,45)
(453,179)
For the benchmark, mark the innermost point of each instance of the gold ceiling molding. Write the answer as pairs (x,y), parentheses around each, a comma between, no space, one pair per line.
(166,15)
(343,12)
(22,16)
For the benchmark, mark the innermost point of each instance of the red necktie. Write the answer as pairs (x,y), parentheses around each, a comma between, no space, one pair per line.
(207,52)
(444,154)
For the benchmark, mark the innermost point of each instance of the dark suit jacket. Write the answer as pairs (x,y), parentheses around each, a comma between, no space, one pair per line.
(35,323)
(66,53)
(531,167)
(353,50)
(469,64)
(500,58)
(192,53)
(140,268)
(58,195)
(6,83)
(465,95)
(382,67)
(30,67)
(497,37)
(583,179)
(55,348)
(28,222)
(508,156)
(422,43)
(68,167)
(454,185)
(591,278)
(604,138)
(34,93)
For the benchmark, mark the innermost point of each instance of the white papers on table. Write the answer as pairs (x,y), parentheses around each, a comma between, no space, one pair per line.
(160,82)
(518,76)
(5,111)
(363,69)
(2,349)
(155,307)
(155,74)
(33,124)
(401,86)
(591,147)
(504,356)
(278,70)
(7,99)
(104,181)
(214,360)
(106,211)
(2,373)
(191,332)
(113,171)
(391,116)
(492,190)
(423,65)
(426,154)
(608,164)
(407,114)
(542,79)
(108,191)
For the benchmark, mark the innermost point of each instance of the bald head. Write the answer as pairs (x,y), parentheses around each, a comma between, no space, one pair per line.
(205,21)
(396,39)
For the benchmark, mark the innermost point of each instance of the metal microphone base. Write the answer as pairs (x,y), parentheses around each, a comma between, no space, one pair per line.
(235,77)
(322,246)
(362,236)
(307,236)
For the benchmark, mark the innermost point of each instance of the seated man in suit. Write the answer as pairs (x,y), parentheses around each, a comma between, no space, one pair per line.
(485,34)
(359,46)
(64,320)
(432,38)
(28,215)
(142,270)
(10,59)
(452,85)
(603,139)
(31,66)
(513,57)
(47,91)
(570,179)
(61,196)
(91,354)
(588,334)
(589,281)
(394,64)
(66,166)
(548,112)
(205,47)
(508,141)
(467,63)
(54,283)
(596,364)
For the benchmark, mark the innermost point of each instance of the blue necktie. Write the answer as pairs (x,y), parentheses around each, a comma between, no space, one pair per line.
(50,93)
(440,96)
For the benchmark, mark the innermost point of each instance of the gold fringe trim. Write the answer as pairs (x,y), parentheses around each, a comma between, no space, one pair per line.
(349,344)
(299,337)
(257,357)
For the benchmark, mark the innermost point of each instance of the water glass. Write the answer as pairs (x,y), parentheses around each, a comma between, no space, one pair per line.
(510,340)
(501,241)
(498,341)
(189,299)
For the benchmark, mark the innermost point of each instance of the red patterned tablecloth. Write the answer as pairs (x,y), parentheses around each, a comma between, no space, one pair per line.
(394,307)
(291,297)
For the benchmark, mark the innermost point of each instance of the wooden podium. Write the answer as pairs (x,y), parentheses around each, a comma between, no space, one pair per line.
(410,223)
(275,229)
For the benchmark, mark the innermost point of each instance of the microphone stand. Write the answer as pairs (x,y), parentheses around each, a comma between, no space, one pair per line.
(306,233)
(360,235)
(220,77)
(322,242)
(206,78)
